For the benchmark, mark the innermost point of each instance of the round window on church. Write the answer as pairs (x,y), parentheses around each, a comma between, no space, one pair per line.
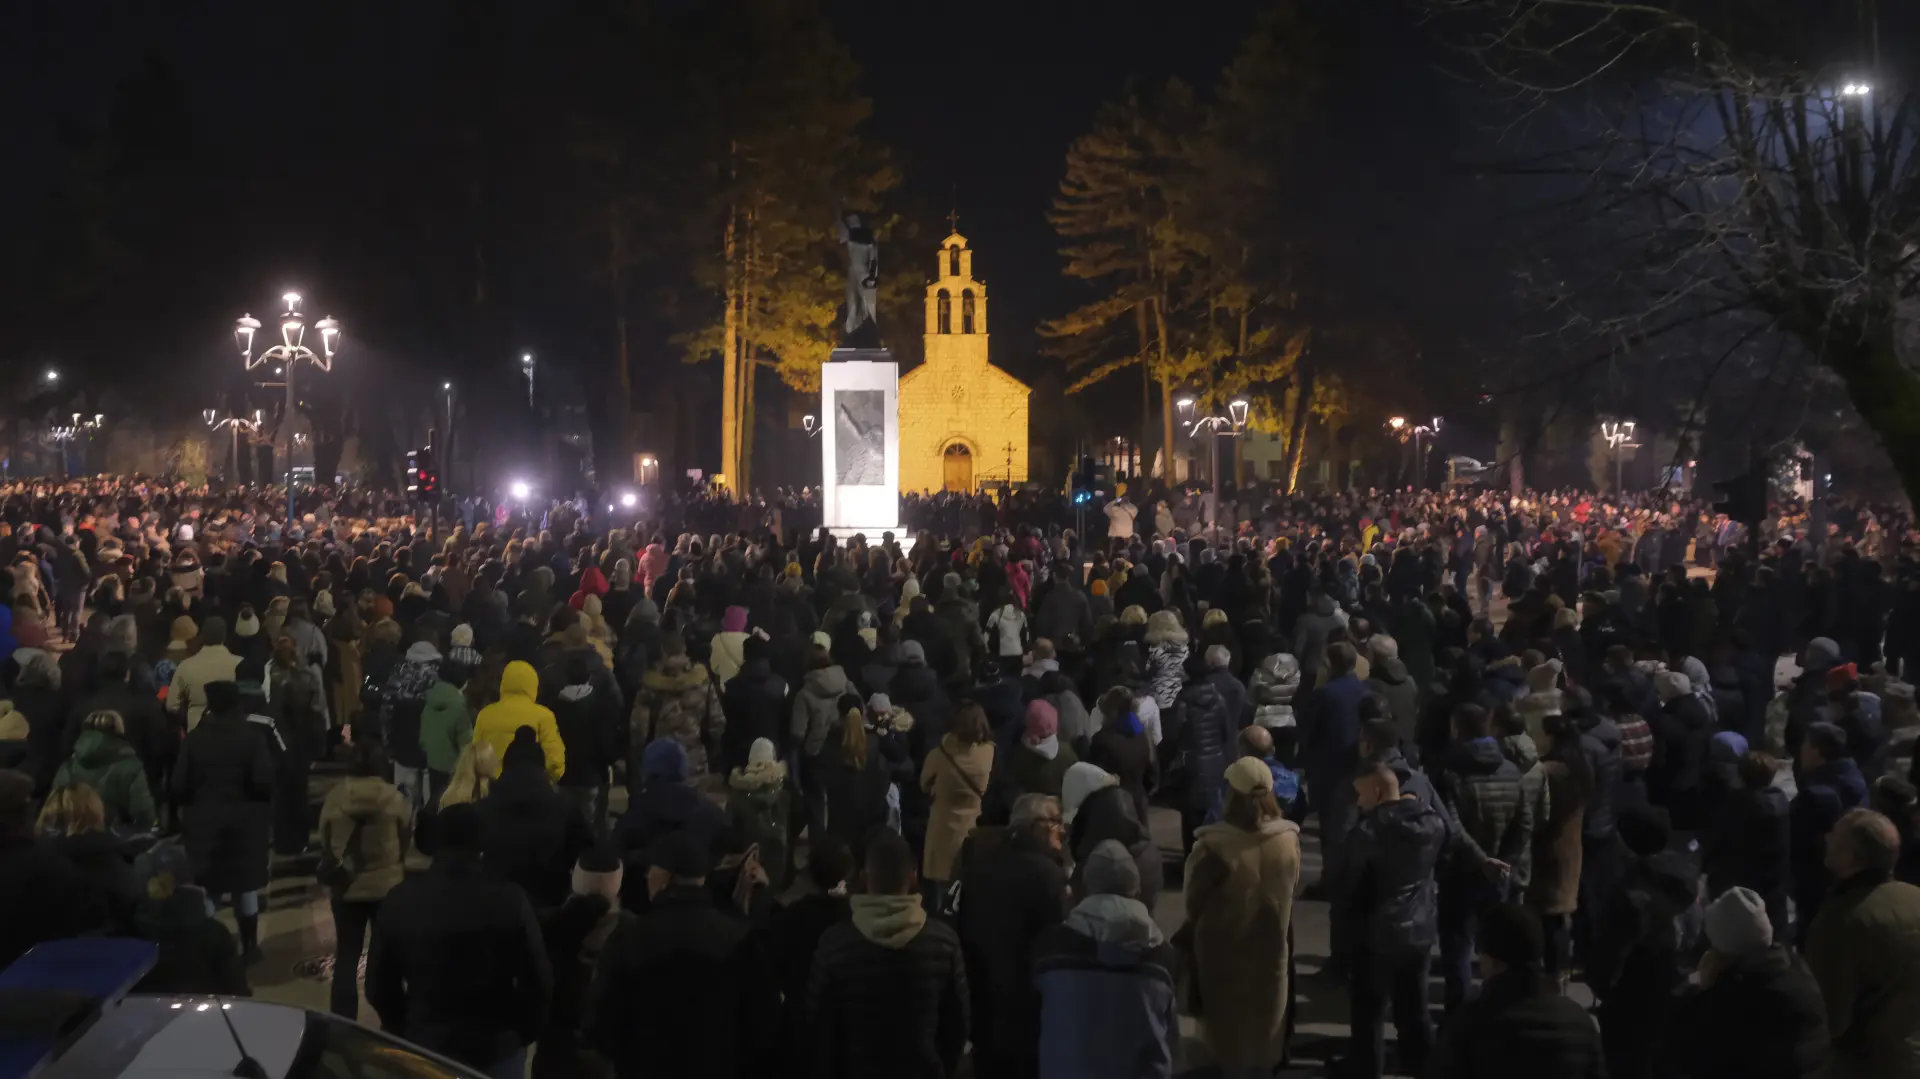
(958,393)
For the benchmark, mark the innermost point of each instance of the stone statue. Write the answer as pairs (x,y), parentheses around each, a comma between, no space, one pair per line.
(863,278)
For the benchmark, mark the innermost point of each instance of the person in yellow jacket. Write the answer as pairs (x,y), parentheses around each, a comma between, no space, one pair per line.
(517,708)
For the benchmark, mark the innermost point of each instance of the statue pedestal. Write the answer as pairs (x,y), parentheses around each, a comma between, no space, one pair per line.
(860,443)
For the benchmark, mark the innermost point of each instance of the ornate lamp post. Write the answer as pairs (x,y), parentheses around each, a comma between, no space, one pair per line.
(1619,435)
(286,356)
(1403,431)
(1232,423)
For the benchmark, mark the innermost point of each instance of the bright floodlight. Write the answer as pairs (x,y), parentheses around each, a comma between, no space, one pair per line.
(629,500)
(52,375)
(526,359)
(1397,422)
(520,489)
(1856,89)
(446,385)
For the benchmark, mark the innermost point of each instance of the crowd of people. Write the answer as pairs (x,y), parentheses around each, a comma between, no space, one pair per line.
(623,798)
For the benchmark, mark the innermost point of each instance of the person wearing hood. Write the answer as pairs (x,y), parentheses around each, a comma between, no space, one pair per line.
(446,724)
(457,965)
(1521,1026)
(760,806)
(727,652)
(1011,889)
(533,833)
(1756,1010)
(197,954)
(518,706)
(1241,875)
(1388,896)
(1829,786)
(1481,789)
(1037,763)
(888,960)
(1105,978)
(588,716)
(755,702)
(1543,697)
(365,827)
(102,759)
(1274,684)
(1122,746)
(639,646)
(592,583)
(686,989)
(1095,811)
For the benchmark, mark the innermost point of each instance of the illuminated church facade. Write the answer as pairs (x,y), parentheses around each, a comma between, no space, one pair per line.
(963,421)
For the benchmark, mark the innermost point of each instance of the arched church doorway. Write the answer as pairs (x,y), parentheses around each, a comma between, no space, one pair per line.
(958,461)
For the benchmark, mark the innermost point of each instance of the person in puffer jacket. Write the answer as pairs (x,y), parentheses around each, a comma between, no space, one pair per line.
(1208,724)
(1273,686)
(678,700)
(1105,977)
(1481,789)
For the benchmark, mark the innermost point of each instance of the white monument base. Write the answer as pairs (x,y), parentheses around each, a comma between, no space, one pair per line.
(860,443)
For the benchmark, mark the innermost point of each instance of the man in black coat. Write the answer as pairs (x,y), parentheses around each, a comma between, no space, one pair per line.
(1388,896)
(755,703)
(42,895)
(1520,1026)
(1758,1012)
(1481,790)
(223,785)
(146,726)
(1010,894)
(457,963)
(915,688)
(684,989)
(887,996)
(1749,843)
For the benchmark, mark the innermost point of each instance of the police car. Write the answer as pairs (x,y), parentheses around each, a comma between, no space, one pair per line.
(66,1013)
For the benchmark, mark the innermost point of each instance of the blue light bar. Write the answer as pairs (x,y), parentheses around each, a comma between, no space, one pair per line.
(50,996)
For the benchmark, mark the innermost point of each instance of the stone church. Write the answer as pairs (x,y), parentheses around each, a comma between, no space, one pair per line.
(963,421)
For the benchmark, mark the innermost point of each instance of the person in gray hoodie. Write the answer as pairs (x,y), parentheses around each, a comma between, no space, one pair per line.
(1105,977)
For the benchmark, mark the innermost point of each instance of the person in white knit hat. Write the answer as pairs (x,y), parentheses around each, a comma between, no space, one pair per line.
(1756,1009)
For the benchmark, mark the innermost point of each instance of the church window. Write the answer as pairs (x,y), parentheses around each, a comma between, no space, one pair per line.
(966,311)
(953,261)
(943,313)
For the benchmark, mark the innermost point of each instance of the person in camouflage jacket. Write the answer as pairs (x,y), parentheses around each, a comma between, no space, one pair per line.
(678,699)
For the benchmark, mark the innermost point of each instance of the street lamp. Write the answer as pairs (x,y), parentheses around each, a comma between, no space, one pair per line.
(1232,424)
(1403,431)
(526,368)
(446,462)
(58,436)
(286,356)
(1620,436)
(811,423)
(234,425)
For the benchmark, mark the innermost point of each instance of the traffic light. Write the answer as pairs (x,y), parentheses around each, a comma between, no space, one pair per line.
(1084,481)
(423,479)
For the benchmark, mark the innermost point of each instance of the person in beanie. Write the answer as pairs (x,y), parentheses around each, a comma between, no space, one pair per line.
(457,964)
(1240,881)
(1105,977)
(1757,1012)
(760,805)
(1038,763)
(461,649)
(1864,949)
(1097,811)
(576,935)
(534,833)
(198,954)
(1519,1026)
(887,996)
(667,803)
(587,711)
(685,989)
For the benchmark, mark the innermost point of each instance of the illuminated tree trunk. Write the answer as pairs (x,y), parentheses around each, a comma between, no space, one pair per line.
(730,359)
(1297,429)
